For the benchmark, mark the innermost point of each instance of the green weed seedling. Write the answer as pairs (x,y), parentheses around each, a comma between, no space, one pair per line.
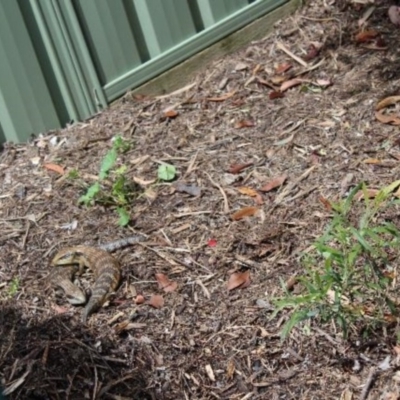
(346,278)
(13,287)
(166,172)
(112,187)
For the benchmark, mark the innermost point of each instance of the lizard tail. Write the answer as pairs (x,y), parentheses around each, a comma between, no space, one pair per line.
(105,284)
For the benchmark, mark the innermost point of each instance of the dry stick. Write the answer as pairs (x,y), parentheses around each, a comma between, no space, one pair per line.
(115,382)
(176,92)
(28,226)
(215,184)
(68,391)
(96,383)
(292,185)
(302,193)
(170,260)
(367,386)
(205,290)
(315,66)
(191,165)
(290,54)
(18,382)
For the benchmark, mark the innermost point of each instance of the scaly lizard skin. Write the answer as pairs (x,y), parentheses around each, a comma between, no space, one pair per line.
(106,271)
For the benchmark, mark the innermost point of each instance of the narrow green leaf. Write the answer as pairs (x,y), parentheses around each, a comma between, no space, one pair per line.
(390,188)
(124,217)
(107,163)
(90,194)
(350,197)
(361,239)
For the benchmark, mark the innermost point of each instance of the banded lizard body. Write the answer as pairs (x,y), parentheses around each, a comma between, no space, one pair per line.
(105,267)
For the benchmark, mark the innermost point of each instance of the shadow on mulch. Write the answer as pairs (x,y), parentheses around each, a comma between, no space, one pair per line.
(55,359)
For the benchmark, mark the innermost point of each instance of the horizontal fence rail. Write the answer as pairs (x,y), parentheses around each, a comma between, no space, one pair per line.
(64,60)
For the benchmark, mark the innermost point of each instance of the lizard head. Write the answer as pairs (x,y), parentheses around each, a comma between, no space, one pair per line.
(66,256)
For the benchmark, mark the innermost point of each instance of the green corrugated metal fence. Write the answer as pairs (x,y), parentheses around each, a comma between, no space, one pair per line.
(64,60)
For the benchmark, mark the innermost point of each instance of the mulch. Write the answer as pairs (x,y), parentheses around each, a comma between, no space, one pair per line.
(229,133)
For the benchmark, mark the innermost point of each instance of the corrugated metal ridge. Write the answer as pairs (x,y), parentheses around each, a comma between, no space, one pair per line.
(189,47)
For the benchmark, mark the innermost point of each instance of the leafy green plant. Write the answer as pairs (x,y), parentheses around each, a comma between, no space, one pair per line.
(73,174)
(166,172)
(347,275)
(112,187)
(13,287)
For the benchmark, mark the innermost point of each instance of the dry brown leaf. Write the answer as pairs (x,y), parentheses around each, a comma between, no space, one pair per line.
(266,83)
(259,199)
(237,168)
(276,182)
(312,53)
(280,69)
(239,280)
(59,309)
(326,203)
(139,299)
(54,167)
(371,161)
(278,79)
(169,113)
(244,123)
(275,95)
(366,36)
(244,212)
(387,118)
(388,101)
(165,284)
(223,97)
(247,191)
(156,301)
(289,84)
(371,193)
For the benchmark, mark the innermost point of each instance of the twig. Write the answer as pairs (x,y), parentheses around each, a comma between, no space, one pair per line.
(302,193)
(28,226)
(292,185)
(96,383)
(308,69)
(68,391)
(226,203)
(190,167)
(290,54)
(191,213)
(176,92)
(115,382)
(367,386)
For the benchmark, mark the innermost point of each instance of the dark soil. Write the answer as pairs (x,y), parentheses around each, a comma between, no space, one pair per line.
(205,342)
